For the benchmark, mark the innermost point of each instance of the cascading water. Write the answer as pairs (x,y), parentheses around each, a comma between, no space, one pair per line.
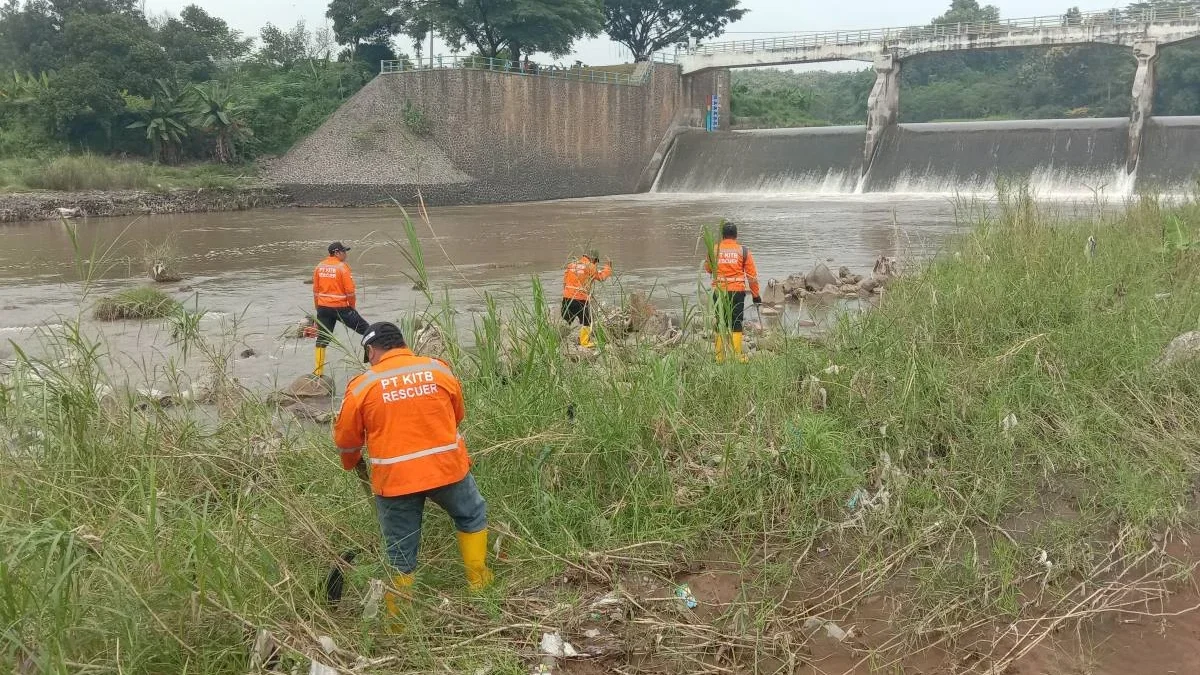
(1058,158)
(770,161)
(1170,155)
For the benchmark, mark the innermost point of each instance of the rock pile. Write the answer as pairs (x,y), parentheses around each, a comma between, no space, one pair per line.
(823,284)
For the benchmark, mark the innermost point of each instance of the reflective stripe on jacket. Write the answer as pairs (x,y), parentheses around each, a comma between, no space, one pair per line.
(333,286)
(735,268)
(579,277)
(406,410)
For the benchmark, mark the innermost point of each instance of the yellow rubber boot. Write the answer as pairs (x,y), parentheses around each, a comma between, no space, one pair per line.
(585,336)
(473,547)
(719,342)
(393,601)
(736,339)
(319,370)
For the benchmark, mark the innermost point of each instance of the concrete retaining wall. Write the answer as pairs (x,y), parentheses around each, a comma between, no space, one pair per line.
(493,137)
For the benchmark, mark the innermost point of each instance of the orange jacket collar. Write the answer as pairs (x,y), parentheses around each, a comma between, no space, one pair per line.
(393,353)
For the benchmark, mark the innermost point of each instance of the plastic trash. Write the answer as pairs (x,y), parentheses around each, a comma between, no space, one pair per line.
(857,496)
(684,593)
(553,644)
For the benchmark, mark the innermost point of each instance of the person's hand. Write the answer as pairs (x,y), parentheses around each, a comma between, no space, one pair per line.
(757,300)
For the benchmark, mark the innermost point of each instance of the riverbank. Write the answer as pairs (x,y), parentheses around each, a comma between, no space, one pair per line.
(51,205)
(988,461)
(95,186)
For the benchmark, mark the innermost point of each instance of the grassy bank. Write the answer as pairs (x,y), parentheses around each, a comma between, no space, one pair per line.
(73,173)
(995,451)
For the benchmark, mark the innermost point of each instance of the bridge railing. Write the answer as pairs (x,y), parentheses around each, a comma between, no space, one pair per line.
(577,72)
(1110,18)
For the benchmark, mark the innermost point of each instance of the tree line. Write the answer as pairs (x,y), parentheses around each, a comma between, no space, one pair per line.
(1039,83)
(101,75)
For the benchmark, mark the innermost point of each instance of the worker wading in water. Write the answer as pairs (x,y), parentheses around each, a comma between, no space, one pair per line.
(333,297)
(734,275)
(577,292)
(406,410)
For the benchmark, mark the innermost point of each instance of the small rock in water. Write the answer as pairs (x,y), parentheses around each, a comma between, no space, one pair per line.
(309,411)
(310,386)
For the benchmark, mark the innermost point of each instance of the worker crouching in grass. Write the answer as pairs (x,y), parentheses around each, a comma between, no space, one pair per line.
(577,292)
(406,410)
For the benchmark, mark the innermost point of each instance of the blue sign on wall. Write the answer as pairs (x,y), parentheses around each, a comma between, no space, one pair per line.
(713,119)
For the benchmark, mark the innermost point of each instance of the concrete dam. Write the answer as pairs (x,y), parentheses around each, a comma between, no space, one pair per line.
(1058,158)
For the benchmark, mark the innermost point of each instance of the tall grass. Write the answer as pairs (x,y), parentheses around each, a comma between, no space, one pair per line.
(136,541)
(70,173)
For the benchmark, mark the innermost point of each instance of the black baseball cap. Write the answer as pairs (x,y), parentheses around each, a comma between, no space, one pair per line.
(337,247)
(378,331)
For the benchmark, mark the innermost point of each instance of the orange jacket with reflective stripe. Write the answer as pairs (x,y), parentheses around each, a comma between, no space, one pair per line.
(578,279)
(735,268)
(332,284)
(406,410)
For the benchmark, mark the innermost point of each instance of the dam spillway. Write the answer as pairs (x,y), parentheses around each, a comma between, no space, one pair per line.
(1057,158)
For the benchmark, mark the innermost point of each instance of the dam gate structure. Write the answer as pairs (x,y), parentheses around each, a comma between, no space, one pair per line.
(1145,31)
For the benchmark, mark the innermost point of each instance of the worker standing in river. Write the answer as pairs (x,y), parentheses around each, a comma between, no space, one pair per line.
(735,274)
(406,410)
(577,292)
(334,299)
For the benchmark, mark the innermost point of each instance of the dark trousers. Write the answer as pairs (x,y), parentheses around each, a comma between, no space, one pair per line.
(576,309)
(731,309)
(400,518)
(327,318)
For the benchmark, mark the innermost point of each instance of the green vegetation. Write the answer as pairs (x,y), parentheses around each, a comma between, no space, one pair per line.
(1017,451)
(92,172)
(1061,82)
(102,77)
(136,304)
(649,26)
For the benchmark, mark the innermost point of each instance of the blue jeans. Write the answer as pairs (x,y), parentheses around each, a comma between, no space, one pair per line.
(400,518)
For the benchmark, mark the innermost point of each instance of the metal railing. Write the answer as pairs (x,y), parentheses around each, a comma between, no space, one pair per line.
(1106,19)
(577,72)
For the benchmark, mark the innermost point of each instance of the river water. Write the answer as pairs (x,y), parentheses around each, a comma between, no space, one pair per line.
(247,269)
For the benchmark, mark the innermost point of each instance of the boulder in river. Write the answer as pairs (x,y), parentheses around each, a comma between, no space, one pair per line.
(774,293)
(309,386)
(819,278)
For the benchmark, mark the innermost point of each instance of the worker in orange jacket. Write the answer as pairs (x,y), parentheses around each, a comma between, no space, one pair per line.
(406,410)
(735,274)
(334,299)
(577,292)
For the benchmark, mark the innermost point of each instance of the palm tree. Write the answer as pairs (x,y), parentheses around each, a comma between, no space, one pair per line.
(218,114)
(166,123)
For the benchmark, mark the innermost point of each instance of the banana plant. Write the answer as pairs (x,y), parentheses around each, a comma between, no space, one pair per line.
(217,113)
(167,123)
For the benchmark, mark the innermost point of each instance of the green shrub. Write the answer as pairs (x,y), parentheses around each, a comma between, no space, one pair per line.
(135,303)
(416,121)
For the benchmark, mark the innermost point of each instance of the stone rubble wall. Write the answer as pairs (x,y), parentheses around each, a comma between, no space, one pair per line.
(492,137)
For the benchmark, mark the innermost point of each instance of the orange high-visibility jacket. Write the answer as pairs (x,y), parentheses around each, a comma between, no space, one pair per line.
(735,268)
(578,279)
(333,286)
(406,410)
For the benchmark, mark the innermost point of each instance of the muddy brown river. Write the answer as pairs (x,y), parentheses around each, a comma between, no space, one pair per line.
(247,269)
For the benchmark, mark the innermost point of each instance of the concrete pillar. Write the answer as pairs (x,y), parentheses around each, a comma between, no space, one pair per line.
(883,105)
(1142,105)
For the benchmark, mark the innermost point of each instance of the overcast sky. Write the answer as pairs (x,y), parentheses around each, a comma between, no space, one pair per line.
(765,18)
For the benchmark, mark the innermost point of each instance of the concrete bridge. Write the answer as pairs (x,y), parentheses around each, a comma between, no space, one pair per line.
(1144,31)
